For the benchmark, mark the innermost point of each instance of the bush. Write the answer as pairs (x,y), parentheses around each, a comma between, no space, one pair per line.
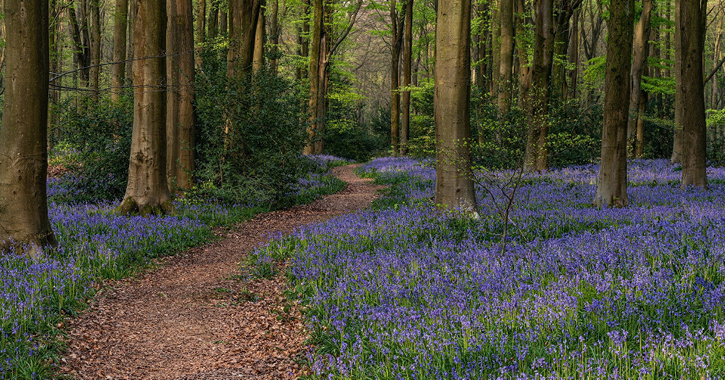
(249,138)
(94,143)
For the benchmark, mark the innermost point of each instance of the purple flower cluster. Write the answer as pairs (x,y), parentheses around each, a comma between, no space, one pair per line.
(411,292)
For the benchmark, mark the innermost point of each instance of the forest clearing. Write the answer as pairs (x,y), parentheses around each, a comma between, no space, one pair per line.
(362,189)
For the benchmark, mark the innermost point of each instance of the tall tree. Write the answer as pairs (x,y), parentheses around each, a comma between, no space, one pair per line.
(201,22)
(454,180)
(407,76)
(81,39)
(180,108)
(397,22)
(244,15)
(23,136)
(690,18)
(118,70)
(212,27)
(612,183)
(506,15)
(147,191)
(322,48)
(536,153)
(259,38)
(95,69)
(640,52)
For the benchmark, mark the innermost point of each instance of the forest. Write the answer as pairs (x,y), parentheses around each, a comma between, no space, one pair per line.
(362,189)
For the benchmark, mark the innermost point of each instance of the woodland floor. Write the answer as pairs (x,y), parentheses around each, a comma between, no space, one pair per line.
(196,316)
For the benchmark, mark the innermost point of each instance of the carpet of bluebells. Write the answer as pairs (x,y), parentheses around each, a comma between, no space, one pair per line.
(96,243)
(408,291)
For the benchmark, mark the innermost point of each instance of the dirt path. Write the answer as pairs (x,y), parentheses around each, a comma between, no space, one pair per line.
(195,317)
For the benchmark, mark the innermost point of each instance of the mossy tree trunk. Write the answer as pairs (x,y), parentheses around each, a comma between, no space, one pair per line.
(612,183)
(23,137)
(147,191)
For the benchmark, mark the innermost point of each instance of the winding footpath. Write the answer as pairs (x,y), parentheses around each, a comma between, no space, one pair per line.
(198,316)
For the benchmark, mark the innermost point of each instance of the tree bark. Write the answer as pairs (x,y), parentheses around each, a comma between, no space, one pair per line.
(315,52)
(95,70)
(201,22)
(690,98)
(523,56)
(118,70)
(535,157)
(23,137)
(274,33)
(396,41)
(506,57)
(147,191)
(454,180)
(407,77)
(223,22)
(612,183)
(259,37)
(640,51)
(81,43)
(180,109)
(574,56)
(244,15)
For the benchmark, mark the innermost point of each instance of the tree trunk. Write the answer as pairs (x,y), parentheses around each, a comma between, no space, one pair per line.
(147,191)
(640,51)
(690,98)
(130,50)
(275,31)
(454,179)
(506,57)
(201,22)
(535,157)
(223,22)
(213,23)
(259,37)
(496,51)
(79,32)
(118,70)
(316,48)
(244,15)
(574,56)
(407,77)
(396,42)
(23,138)
(612,183)
(523,55)
(180,110)
(562,15)
(55,69)
(95,70)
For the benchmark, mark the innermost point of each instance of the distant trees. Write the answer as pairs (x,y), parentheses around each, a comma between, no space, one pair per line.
(23,136)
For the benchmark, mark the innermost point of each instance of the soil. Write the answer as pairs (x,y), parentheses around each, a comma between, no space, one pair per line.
(197,316)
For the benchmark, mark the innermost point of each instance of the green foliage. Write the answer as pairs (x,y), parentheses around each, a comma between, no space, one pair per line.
(249,138)
(345,135)
(93,140)
(575,134)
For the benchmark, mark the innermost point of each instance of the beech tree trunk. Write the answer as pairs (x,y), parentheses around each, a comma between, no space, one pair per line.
(454,179)
(201,21)
(396,41)
(118,70)
(244,15)
(147,191)
(523,56)
(212,27)
(574,56)
(23,136)
(407,77)
(81,41)
(316,73)
(506,15)
(259,37)
(95,70)
(496,52)
(535,157)
(690,97)
(274,32)
(640,51)
(612,183)
(180,109)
